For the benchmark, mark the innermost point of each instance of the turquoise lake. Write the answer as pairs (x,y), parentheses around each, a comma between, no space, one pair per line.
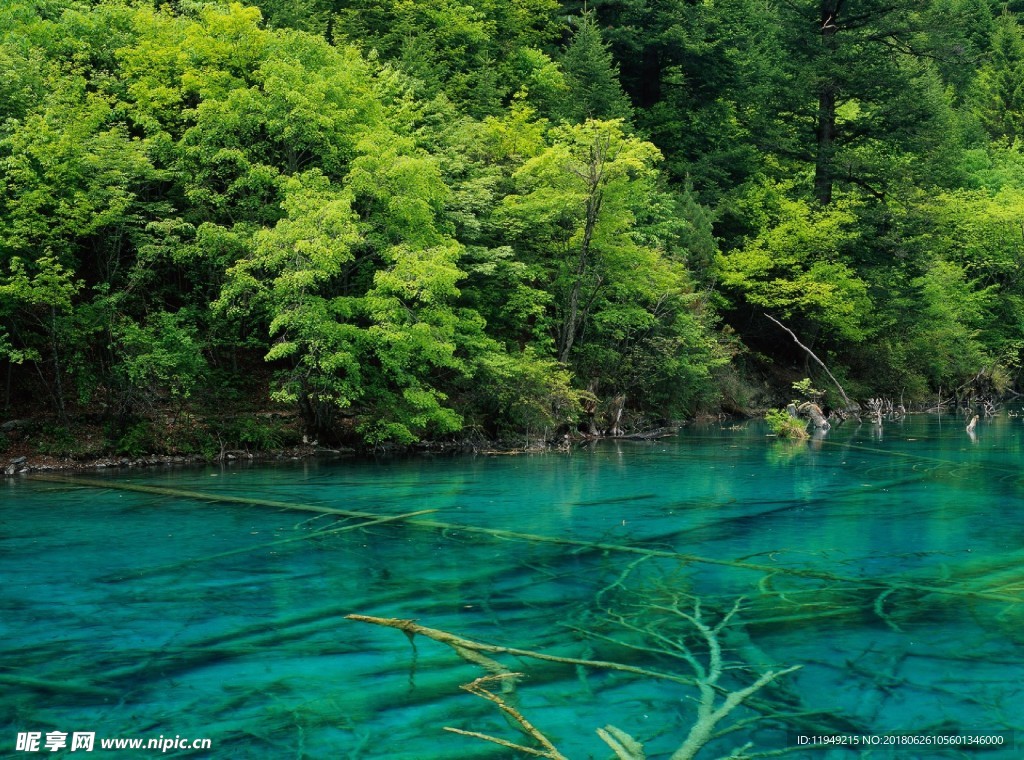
(887,563)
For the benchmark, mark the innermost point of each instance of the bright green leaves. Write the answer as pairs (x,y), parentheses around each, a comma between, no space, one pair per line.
(287,280)
(946,334)
(50,286)
(39,324)
(800,264)
(348,340)
(35,303)
(163,356)
(21,80)
(69,173)
(399,191)
(223,48)
(575,214)
(591,220)
(971,288)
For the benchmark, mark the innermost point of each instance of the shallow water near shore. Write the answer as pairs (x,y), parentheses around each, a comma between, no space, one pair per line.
(888,563)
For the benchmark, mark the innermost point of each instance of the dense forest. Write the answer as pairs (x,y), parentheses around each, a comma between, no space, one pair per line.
(402,220)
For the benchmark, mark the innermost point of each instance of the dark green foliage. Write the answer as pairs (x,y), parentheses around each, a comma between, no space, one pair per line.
(999,87)
(57,440)
(592,77)
(137,439)
(256,434)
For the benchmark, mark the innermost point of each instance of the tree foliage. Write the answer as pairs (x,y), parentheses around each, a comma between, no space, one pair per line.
(431,217)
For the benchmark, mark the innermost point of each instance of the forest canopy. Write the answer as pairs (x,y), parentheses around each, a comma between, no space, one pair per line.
(435,219)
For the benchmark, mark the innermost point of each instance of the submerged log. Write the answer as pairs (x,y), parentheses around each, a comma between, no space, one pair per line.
(872,585)
(270,544)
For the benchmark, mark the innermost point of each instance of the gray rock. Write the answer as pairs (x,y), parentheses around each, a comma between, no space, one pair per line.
(19,460)
(12,425)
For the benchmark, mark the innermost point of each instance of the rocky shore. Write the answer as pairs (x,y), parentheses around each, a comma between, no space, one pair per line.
(26,465)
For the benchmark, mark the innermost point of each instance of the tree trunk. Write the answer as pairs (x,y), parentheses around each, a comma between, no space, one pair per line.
(7,387)
(826,131)
(574,315)
(813,412)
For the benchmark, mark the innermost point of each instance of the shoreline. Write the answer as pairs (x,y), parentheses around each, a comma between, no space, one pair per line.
(13,466)
(27,465)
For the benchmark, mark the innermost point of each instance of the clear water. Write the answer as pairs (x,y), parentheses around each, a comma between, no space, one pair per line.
(890,565)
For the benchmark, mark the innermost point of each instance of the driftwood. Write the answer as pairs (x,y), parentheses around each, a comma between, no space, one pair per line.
(470,650)
(873,406)
(879,408)
(649,435)
(618,404)
(517,718)
(813,412)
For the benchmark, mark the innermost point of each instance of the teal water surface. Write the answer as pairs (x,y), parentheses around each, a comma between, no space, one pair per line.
(887,563)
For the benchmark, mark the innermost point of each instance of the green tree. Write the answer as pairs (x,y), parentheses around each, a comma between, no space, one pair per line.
(158,361)
(999,90)
(283,281)
(477,54)
(594,91)
(590,217)
(705,79)
(37,303)
(799,265)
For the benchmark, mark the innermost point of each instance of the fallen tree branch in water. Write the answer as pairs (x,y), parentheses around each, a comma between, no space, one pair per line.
(462,646)
(868,584)
(715,702)
(477,687)
(79,688)
(268,544)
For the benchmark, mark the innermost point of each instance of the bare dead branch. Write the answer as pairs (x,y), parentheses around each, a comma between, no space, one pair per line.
(477,688)
(813,356)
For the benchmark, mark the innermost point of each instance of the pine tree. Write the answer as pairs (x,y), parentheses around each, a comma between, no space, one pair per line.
(592,76)
(1000,86)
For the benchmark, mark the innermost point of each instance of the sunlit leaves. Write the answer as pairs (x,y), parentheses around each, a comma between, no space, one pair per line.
(800,264)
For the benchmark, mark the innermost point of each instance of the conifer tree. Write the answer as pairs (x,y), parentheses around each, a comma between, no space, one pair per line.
(1000,85)
(592,76)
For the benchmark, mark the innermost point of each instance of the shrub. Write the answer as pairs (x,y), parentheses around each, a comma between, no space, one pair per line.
(785,426)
